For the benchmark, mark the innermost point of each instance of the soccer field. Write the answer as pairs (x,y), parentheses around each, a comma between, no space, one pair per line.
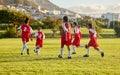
(47,62)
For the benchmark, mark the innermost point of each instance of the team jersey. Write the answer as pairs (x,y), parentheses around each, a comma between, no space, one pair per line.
(93,38)
(26,30)
(76,30)
(92,33)
(40,35)
(66,35)
(39,38)
(77,36)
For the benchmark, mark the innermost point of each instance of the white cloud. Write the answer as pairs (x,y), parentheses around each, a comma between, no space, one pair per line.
(96,9)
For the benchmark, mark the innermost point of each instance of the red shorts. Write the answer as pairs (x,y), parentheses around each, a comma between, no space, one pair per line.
(93,42)
(76,41)
(66,40)
(39,43)
(25,39)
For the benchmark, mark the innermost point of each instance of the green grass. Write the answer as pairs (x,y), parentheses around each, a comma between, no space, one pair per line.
(47,63)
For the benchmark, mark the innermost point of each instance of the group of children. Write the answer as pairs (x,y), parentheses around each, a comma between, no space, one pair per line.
(66,38)
(27,34)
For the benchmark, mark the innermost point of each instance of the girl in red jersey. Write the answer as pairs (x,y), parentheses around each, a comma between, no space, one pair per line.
(77,37)
(39,40)
(93,41)
(26,34)
(66,38)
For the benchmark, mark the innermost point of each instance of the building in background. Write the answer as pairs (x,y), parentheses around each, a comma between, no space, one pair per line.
(111,17)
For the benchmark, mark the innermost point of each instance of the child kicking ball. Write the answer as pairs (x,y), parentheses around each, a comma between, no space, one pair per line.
(39,40)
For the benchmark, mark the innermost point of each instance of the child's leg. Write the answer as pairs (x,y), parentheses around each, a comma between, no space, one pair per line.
(87,52)
(69,54)
(100,51)
(74,49)
(37,49)
(24,47)
(61,50)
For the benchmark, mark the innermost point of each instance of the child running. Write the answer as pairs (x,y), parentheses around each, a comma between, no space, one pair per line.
(66,38)
(39,40)
(26,35)
(92,42)
(77,37)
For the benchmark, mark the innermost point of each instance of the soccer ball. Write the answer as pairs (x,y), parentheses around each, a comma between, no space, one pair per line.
(36,50)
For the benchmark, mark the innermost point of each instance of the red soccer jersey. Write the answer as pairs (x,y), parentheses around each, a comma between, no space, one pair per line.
(93,38)
(77,36)
(39,38)
(66,38)
(26,31)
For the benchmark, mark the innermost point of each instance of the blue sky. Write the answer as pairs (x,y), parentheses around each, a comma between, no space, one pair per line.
(70,3)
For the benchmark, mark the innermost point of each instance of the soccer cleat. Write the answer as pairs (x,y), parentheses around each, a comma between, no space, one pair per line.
(59,56)
(70,57)
(28,51)
(21,53)
(73,52)
(85,55)
(102,54)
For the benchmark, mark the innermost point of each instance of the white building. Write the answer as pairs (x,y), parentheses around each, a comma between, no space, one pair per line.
(39,8)
(54,12)
(111,16)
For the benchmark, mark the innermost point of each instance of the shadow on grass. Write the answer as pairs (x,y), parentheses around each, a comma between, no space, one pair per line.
(16,57)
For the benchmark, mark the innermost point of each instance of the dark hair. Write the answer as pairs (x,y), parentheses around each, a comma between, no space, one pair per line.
(65,19)
(74,23)
(26,20)
(39,28)
(90,25)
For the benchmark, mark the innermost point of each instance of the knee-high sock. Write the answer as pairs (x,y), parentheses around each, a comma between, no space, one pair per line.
(26,47)
(74,50)
(69,54)
(23,48)
(61,51)
(88,51)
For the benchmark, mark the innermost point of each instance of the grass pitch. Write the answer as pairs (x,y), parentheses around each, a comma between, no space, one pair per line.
(47,62)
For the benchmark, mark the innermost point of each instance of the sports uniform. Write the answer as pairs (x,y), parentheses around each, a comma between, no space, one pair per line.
(26,32)
(66,38)
(93,38)
(39,38)
(77,36)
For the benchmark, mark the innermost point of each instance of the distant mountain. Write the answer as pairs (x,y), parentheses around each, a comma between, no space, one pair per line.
(24,2)
(46,4)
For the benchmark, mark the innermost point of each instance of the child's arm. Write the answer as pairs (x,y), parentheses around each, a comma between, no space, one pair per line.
(31,32)
(17,30)
(65,31)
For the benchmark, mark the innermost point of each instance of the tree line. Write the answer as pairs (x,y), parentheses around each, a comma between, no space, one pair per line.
(10,20)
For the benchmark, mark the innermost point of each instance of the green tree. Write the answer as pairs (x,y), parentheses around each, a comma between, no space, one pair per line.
(117,28)
(52,23)
(37,24)
(11,17)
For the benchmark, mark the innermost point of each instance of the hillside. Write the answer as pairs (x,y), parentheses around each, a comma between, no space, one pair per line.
(24,2)
(44,3)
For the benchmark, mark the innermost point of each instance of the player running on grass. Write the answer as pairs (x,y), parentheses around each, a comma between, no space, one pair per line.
(26,35)
(39,40)
(92,42)
(77,37)
(66,38)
